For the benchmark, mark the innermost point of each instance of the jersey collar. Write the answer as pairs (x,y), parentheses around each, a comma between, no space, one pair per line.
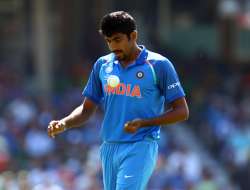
(142,56)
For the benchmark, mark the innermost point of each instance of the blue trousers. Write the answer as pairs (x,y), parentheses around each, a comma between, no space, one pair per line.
(128,166)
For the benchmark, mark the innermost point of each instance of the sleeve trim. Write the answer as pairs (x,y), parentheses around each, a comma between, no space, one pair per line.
(95,100)
(153,71)
(177,96)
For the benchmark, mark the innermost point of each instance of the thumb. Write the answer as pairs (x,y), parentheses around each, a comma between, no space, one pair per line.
(54,122)
(127,123)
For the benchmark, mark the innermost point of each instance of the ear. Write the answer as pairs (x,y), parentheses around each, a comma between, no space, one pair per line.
(133,35)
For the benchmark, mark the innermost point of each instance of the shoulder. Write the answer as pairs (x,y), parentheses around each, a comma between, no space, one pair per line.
(159,61)
(153,56)
(103,60)
(107,58)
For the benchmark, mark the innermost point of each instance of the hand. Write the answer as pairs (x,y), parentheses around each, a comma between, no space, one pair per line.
(55,127)
(133,126)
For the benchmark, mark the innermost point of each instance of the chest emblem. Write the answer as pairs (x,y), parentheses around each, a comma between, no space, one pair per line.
(139,74)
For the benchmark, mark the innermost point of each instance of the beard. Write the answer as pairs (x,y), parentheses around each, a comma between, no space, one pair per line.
(120,56)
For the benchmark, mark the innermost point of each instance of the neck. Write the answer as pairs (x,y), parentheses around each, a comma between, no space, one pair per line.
(133,55)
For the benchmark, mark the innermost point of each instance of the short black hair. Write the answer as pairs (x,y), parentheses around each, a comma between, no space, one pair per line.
(117,22)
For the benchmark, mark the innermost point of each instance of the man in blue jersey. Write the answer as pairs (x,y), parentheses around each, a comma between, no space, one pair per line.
(133,85)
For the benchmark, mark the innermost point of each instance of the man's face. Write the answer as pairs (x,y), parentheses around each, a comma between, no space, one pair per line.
(120,45)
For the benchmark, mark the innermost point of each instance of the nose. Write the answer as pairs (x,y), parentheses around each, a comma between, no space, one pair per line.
(112,46)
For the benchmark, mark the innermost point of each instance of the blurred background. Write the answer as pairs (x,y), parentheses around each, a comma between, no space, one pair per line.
(47,50)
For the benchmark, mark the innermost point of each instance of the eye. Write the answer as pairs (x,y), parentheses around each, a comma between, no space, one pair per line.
(118,40)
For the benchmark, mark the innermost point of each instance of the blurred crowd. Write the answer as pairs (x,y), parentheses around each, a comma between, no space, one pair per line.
(219,104)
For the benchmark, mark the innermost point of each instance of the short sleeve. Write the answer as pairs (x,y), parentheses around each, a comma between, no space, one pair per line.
(168,81)
(93,88)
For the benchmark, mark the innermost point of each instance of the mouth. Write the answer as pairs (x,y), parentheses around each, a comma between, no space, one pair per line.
(117,52)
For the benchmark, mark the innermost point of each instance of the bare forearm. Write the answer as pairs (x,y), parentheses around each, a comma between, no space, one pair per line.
(179,112)
(79,115)
(169,117)
(75,119)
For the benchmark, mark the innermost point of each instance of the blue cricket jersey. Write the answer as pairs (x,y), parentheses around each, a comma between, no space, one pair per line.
(144,88)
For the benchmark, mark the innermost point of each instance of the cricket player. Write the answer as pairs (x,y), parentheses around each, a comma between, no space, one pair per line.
(133,85)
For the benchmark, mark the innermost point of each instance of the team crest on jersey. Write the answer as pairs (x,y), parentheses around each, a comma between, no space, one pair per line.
(139,74)
(108,69)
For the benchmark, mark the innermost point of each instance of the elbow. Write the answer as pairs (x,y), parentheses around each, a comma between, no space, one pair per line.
(181,108)
(185,113)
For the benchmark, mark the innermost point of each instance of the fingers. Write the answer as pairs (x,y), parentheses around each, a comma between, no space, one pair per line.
(129,127)
(132,126)
(51,128)
(60,124)
(126,124)
(55,127)
(54,122)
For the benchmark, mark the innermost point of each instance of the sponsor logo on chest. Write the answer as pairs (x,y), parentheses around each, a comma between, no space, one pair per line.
(124,89)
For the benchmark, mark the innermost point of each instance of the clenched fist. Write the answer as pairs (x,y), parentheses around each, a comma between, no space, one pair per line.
(55,127)
(133,126)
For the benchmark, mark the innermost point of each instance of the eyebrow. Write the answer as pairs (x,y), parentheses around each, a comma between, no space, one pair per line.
(115,38)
